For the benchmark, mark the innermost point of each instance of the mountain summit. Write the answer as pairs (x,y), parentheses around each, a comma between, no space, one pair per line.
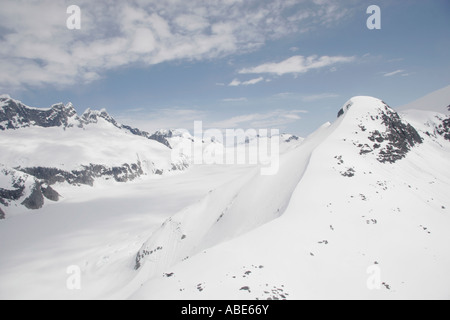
(15,115)
(380,129)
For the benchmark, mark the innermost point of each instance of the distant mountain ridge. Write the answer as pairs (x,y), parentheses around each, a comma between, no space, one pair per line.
(90,147)
(15,115)
(437,101)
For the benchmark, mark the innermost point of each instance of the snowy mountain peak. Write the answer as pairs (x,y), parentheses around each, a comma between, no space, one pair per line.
(167,137)
(363,104)
(378,129)
(169,133)
(92,116)
(6,100)
(15,115)
(67,109)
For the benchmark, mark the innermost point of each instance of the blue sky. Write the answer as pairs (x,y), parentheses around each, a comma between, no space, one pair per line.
(285,64)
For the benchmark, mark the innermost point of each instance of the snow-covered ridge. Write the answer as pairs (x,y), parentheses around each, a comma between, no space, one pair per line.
(366,126)
(368,190)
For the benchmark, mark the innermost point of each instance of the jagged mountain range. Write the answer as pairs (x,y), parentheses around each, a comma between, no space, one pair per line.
(15,115)
(84,152)
(56,145)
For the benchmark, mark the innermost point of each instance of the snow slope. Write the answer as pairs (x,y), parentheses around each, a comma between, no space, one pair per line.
(351,212)
(226,212)
(437,101)
(68,149)
(99,229)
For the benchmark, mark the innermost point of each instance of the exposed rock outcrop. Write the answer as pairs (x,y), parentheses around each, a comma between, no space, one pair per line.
(87,174)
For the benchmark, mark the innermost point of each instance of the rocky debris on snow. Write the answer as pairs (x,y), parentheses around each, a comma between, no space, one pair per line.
(142,254)
(350,172)
(425,229)
(339,159)
(275,293)
(246,274)
(291,138)
(444,129)
(345,108)
(246,288)
(201,287)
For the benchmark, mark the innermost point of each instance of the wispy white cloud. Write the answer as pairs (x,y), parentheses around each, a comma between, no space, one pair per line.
(283,95)
(237,82)
(321,96)
(234,99)
(276,118)
(390,74)
(297,64)
(37,49)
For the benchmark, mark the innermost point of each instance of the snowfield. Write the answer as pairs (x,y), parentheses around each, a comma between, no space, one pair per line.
(68,149)
(357,210)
